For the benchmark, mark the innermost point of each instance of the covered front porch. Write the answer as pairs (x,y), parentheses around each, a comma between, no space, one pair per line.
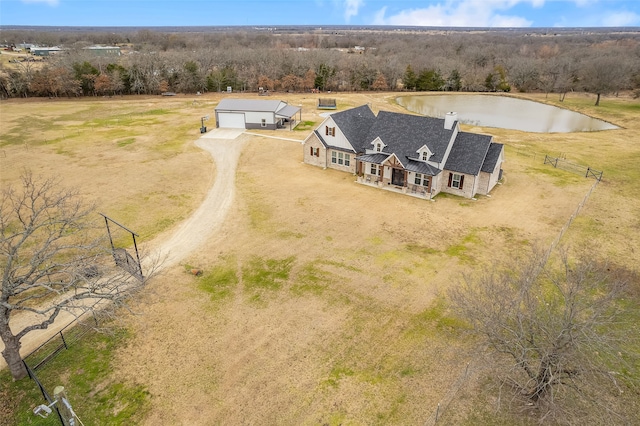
(415,180)
(417,191)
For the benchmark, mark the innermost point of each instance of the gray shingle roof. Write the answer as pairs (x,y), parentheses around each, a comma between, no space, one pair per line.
(492,157)
(355,123)
(468,153)
(404,134)
(337,148)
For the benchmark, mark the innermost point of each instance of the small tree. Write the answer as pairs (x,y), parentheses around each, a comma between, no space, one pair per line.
(380,83)
(410,79)
(52,262)
(556,336)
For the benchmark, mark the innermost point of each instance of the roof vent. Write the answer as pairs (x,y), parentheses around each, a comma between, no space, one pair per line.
(449,119)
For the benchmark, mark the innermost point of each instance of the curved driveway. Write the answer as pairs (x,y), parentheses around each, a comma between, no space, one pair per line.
(209,217)
(192,233)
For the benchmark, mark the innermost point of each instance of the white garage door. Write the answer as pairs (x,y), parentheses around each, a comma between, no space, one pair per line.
(230,120)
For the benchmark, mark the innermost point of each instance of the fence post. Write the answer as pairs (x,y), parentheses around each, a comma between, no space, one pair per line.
(63,406)
(437,412)
(64,342)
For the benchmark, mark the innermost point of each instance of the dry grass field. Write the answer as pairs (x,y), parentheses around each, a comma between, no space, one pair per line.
(323,301)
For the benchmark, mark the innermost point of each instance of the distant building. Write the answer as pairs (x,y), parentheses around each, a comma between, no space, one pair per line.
(104,50)
(45,51)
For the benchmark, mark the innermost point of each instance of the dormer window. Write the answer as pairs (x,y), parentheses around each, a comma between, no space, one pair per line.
(378,145)
(424,153)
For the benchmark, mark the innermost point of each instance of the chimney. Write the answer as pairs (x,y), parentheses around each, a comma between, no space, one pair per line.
(449,119)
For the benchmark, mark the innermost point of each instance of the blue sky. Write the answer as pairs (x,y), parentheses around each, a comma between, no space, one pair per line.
(459,13)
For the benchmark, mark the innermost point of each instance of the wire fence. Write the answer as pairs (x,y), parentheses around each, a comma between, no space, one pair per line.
(561,163)
(62,340)
(567,224)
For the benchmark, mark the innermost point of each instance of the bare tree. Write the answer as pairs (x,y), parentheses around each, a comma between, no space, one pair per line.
(556,335)
(52,262)
(604,74)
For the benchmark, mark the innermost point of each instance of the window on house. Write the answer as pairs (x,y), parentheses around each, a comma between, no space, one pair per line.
(347,159)
(456,180)
(264,122)
(374,169)
(329,131)
(425,181)
(334,157)
(425,156)
(317,152)
(340,158)
(378,147)
(418,179)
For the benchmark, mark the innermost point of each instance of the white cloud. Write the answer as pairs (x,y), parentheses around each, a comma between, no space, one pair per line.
(621,19)
(464,13)
(49,2)
(351,8)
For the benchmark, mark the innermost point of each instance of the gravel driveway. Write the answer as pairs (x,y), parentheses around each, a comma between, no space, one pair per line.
(225,147)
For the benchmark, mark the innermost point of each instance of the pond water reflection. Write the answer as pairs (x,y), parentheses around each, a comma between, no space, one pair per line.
(504,112)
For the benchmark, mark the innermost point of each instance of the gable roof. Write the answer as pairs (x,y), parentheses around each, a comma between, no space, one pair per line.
(259,105)
(492,157)
(355,124)
(404,134)
(468,153)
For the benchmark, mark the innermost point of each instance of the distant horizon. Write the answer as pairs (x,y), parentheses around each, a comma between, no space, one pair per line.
(284,28)
(494,14)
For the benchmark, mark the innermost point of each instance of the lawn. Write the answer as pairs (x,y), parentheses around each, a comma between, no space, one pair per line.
(323,301)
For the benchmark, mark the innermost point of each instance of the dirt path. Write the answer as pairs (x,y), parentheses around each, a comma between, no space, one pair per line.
(225,146)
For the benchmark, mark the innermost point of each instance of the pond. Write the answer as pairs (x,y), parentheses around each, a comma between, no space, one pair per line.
(504,112)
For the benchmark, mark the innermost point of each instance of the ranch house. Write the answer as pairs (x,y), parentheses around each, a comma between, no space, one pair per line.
(416,155)
(255,114)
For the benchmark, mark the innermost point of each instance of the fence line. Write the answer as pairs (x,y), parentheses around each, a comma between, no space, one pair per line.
(67,336)
(564,229)
(44,392)
(561,163)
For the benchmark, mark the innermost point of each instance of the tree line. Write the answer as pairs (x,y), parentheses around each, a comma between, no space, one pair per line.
(155,62)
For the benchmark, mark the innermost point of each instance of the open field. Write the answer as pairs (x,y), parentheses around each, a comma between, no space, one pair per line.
(322,300)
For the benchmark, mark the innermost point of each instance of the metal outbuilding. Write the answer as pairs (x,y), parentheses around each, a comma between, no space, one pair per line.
(255,114)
